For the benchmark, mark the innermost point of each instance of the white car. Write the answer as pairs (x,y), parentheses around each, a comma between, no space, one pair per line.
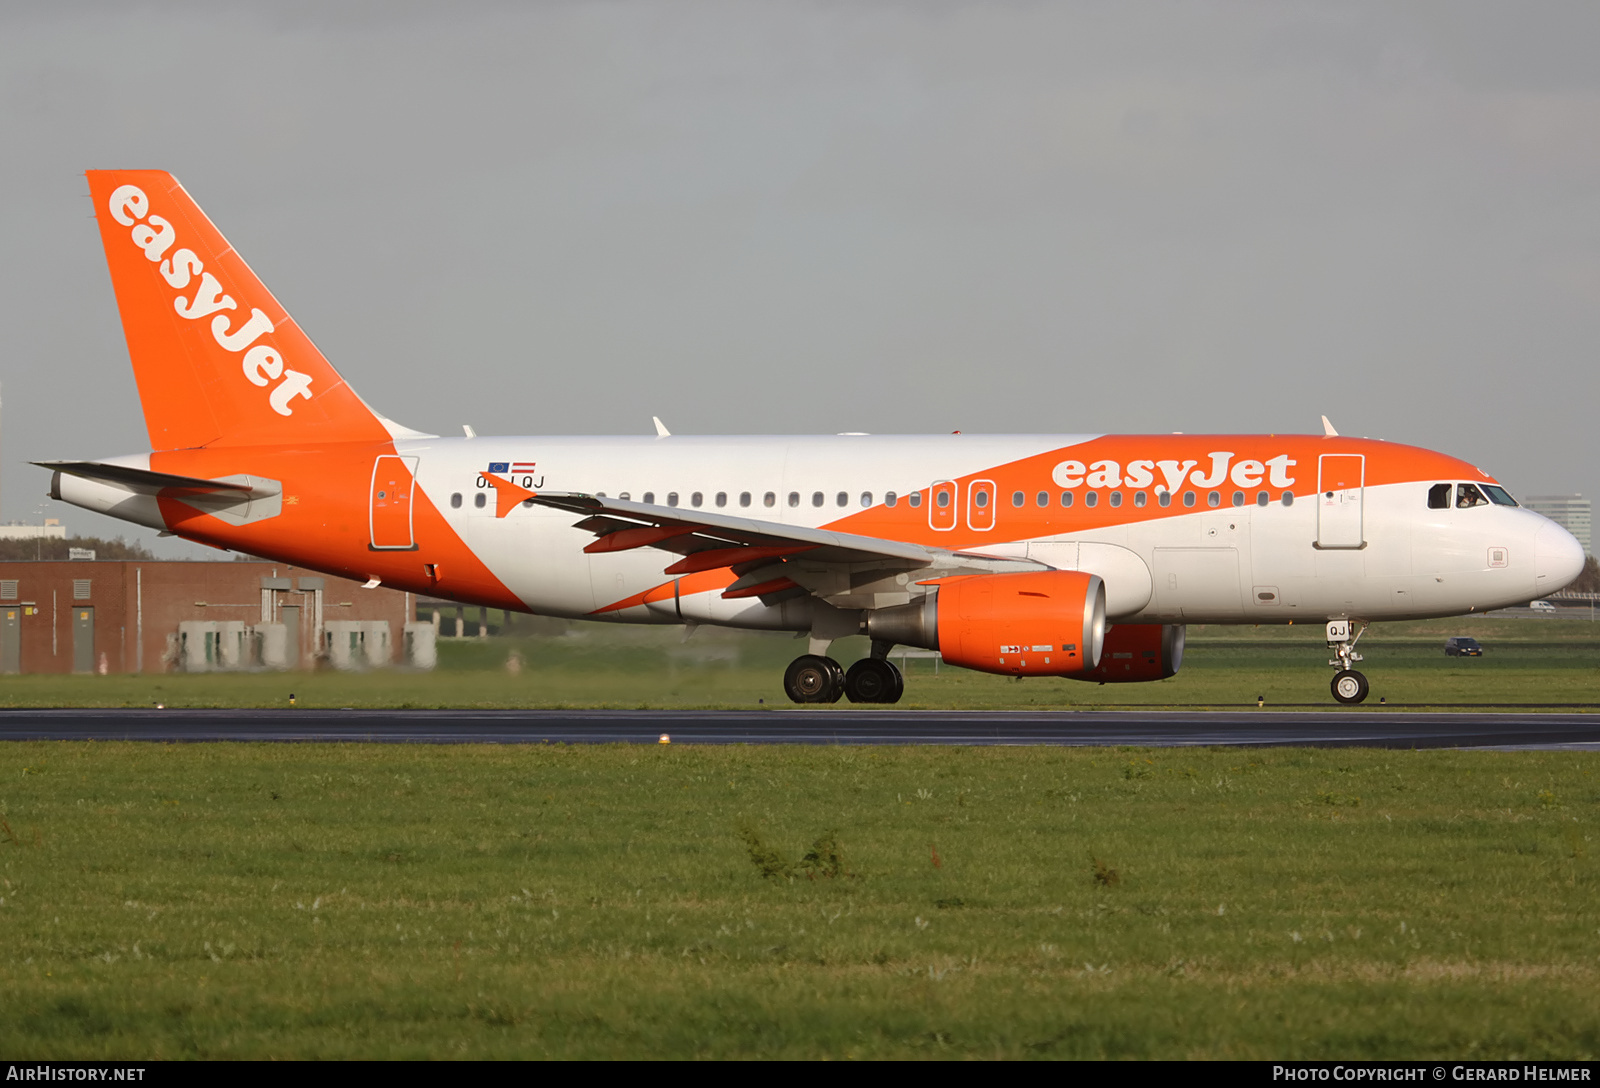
(1541,606)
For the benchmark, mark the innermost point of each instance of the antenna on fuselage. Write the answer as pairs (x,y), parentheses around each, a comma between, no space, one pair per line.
(466,429)
(1327,429)
(661,428)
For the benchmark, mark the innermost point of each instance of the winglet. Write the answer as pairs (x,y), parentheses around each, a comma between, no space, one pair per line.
(1327,429)
(661,428)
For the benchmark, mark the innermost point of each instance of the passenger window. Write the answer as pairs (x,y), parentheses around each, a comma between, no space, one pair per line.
(942,498)
(1188,498)
(1262,498)
(1018,498)
(1238,498)
(1214,499)
(455,501)
(816,498)
(1439,497)
(890,498)
(1066,498)
(480,500)
(624,496)
(648,498)
(1468,495)
(866,499)
(744,499)
(769,499)
(1116,498)
(1288,498)
(1091,498)
(1042,499)
(794,498)
(722,498)
(695,500)
(843,499)
(915,498)
(672,498)
(1164,498)
(1140,498)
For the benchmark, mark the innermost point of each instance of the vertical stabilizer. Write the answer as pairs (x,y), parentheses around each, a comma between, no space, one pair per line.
(217,360)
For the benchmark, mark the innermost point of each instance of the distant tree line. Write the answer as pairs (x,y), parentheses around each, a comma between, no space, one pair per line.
(47,548)
(1589,580)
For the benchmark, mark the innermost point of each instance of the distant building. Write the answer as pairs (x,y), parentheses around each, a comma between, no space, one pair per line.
(52,529)
(163,616)
(1573,513)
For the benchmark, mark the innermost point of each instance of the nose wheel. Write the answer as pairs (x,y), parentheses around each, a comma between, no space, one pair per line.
(1349,686)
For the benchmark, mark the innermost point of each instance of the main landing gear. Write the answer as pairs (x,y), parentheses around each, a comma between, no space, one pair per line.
(812,678)
(1348,686)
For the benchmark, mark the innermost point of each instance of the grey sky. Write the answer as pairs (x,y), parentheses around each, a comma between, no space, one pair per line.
(803,217)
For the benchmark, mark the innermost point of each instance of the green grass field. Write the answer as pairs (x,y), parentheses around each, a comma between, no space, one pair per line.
(220,900)
(231,900)
(1534,660)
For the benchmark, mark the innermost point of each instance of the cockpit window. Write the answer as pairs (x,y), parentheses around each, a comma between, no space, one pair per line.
(1469,495)
(1499,495)
(1439,497)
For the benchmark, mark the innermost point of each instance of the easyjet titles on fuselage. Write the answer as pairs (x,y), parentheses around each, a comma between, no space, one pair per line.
(1142,473)
(263,363)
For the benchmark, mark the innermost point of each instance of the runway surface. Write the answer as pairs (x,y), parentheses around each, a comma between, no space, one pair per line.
(1159,728)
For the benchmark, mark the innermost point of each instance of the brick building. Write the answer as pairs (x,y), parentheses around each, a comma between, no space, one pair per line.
(158,616)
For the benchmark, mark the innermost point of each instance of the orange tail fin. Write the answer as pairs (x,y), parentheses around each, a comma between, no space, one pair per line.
(217,360)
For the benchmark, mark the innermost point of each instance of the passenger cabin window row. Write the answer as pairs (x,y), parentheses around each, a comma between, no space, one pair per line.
(1438,498)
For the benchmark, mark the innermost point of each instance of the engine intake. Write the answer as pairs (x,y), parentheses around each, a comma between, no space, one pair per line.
(1036,623)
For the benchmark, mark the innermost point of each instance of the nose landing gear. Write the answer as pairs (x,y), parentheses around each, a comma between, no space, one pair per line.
(1348,686)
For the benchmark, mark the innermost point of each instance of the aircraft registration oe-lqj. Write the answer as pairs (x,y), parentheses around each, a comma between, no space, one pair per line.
(1079,556)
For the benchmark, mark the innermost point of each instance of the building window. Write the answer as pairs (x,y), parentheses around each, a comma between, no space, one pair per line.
(80,589)
(8,589)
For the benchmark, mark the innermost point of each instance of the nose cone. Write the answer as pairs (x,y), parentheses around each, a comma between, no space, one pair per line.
(1557,559)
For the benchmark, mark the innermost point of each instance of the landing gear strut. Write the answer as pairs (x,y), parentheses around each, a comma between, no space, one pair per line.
(1348,686)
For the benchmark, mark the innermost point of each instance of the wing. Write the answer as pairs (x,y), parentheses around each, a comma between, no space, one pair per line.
(769,560)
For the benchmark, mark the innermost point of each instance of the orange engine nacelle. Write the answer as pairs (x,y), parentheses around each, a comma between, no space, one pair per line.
(1044,623)
(1137,652)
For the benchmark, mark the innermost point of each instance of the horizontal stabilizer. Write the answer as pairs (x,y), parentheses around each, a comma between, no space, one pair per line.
(139,479)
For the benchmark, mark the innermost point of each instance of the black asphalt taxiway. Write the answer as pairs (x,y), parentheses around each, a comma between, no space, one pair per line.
(1485,728)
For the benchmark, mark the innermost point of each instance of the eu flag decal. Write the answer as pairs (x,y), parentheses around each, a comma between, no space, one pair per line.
(499,466)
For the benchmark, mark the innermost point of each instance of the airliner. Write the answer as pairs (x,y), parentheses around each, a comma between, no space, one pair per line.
(1081,556)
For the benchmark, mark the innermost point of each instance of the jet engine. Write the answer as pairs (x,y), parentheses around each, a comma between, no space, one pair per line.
(1138,652)
(1036,623)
